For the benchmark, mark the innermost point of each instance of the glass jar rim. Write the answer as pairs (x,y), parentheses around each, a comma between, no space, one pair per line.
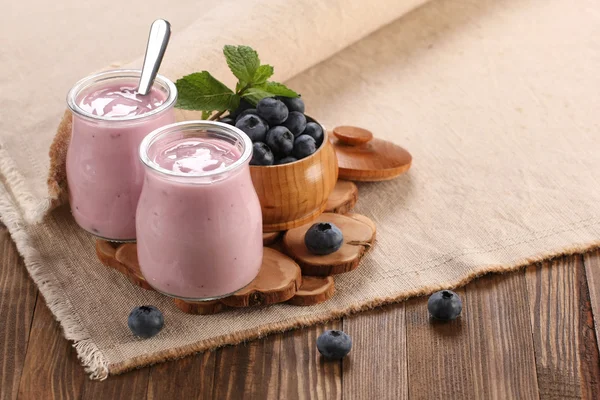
(158,133)
(118,74)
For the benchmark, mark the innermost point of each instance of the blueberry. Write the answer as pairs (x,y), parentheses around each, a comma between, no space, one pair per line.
(315,131)
(280,140)
(323,238)
(334,345)
(145,321)
(293,103)
(227,120)
(261,154)
(444,305)
(253,126)
(285,160)
(304,146)
(272,110)
(246,112)
(295,122)
(244,105)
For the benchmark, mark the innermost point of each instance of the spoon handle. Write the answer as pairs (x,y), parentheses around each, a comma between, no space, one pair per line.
(160,31)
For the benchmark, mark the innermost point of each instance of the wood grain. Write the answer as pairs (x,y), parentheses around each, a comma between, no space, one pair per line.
(189,378)
(359,235)
(502,355)
(439,355)
(558,317)
(592,271)
(377,366)
(249,370)
(17,301)
(295,194)
(51,369)
(304,374)
(130,386)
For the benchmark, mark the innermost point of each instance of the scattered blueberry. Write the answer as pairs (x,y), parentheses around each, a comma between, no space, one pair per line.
(261,154)
(227,120)
(315,131)
(280,140)
(285,160)
(444,305)
(323,238)
(304,146)
(295,122)
(246,112)
(334,345)
(244,105)
(272,110)
(293,103)
(253,126)
(145,321)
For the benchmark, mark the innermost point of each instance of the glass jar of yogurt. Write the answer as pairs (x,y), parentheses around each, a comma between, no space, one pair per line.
(110,119)
(199,221)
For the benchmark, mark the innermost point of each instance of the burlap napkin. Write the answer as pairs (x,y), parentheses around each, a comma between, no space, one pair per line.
(495,100)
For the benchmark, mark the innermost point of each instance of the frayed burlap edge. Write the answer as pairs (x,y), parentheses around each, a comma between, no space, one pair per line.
(88,353)
(253,334)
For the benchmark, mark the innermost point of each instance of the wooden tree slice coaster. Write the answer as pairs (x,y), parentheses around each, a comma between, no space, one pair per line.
(278,280)
(359,235)
(314,290)
(343,198)
(364,158)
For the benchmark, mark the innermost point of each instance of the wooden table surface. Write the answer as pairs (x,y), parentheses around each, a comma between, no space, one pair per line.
(524,335)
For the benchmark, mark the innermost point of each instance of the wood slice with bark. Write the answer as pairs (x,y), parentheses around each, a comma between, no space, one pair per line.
(359,235)
(314,290)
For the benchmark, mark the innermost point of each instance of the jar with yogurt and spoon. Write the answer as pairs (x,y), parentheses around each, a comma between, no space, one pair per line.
(112,112)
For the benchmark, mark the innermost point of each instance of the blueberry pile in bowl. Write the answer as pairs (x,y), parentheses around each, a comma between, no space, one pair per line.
(280,131)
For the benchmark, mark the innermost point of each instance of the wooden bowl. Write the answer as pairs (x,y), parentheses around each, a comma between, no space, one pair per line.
(295,194)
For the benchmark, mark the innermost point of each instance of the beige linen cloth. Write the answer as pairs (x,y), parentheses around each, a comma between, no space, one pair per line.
(496,99)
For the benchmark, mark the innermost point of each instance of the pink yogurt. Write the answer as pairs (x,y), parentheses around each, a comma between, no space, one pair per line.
(199,222)
(110,119)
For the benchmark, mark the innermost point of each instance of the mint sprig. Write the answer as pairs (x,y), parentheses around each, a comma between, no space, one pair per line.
(202,92)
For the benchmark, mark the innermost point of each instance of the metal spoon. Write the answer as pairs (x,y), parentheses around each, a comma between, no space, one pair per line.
(160,32)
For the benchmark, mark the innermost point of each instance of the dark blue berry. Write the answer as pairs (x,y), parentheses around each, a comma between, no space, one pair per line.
(246,112)
(323,238)
(227,120)
(285,160)
(261,154)
(334,345)
(315,131)
(280,140)
(304,146)
(244,105)
(444,305)
(145,321)
(293,103)
(253,126)
(272,110)
(295,122)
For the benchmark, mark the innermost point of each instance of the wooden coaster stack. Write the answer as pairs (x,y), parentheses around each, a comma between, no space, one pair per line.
(289,273)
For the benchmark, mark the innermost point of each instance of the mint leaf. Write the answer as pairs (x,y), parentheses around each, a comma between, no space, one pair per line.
(254,95)
(206,114)
(201,91)
(263,73)
(243,61)
(278,89)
